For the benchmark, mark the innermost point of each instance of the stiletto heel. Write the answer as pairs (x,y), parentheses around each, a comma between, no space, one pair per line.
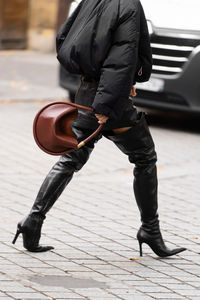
(155,241)
(140,245)
(16,235)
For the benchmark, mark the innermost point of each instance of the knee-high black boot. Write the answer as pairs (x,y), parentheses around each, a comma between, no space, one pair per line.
(145,188)
(137,143)
(53,185)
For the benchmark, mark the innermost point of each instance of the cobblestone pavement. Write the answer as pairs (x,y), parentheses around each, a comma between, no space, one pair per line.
(94,223)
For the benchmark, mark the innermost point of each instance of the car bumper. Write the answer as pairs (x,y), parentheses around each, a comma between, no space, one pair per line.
(180,92)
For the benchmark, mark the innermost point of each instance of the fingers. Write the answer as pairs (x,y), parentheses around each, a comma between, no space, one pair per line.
(133,91)
(101,118)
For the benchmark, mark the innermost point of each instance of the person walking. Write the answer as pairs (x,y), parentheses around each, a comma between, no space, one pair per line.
(107,43)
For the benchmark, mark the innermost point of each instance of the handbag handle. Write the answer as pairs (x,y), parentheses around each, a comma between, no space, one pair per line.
(82,143)
(80,106)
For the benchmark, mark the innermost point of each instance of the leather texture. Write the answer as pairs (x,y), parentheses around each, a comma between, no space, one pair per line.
(138,144)
(52,130)
(61,174)
(53,185)
(152,236)
(30,227)
(52,127)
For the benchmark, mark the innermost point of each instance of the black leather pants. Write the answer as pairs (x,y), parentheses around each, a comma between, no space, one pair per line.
(136,143)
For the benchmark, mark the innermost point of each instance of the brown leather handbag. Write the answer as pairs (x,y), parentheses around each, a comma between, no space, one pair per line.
(52,128)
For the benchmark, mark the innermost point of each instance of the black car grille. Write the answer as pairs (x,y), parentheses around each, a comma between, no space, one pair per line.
(171,51)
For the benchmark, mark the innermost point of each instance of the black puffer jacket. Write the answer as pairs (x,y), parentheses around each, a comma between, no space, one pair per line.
(107,40)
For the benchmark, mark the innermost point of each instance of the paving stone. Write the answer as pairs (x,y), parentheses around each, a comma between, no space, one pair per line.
(135,297)
(152,289)
(165,296)
(189,292)
(93,292)
(2,294)
(63,295)
(24,296)
(109,297)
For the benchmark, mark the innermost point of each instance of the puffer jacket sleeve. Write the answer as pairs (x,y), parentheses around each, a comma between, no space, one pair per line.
(119,66)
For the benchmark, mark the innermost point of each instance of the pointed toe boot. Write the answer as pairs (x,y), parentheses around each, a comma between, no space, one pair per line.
(156,243)
(30,228)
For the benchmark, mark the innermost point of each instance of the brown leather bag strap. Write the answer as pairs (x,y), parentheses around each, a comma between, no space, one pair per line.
(80,106)
(81,144)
